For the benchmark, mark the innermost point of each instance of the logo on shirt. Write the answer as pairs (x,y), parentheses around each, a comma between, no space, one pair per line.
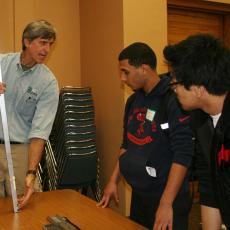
(139,126)
(182,119)
(32,91)
(223,155)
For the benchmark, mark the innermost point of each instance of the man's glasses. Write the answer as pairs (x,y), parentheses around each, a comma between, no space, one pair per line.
(174,84)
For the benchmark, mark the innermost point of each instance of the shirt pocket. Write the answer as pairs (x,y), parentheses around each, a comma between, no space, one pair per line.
(27,105)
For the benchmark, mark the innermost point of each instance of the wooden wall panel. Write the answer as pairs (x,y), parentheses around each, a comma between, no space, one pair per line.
(182,23)
(101,41)
(201,5)
(64,61)
(227,30)
(7,26)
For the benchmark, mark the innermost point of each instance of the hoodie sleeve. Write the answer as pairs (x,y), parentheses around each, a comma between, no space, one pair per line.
(180,134)
(125,120)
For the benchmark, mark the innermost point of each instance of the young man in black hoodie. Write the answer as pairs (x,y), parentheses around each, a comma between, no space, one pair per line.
(155,153)
(201,69)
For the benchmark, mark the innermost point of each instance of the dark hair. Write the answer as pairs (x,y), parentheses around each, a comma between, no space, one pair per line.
(37,29)
(200,60)
(139,53)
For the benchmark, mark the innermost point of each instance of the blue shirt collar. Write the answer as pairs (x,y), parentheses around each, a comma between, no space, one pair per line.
(19,65)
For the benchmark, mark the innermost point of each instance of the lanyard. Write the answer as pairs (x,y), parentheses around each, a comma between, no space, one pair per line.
(7,148)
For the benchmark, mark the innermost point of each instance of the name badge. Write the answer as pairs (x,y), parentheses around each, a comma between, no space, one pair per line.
(165,126)
(151,171)
(150,114)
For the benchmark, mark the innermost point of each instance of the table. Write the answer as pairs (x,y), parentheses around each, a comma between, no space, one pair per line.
(78,208)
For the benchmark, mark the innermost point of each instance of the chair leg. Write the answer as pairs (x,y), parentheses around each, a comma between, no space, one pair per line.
(84,190)
(94,189)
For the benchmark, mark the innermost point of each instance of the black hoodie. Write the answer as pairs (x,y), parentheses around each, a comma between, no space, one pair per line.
(152,145)
(213,159)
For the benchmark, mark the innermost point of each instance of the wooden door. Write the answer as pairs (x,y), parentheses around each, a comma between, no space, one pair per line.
(195,16)
(182,23)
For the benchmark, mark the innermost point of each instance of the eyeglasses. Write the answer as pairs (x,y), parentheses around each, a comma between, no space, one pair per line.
(174,84)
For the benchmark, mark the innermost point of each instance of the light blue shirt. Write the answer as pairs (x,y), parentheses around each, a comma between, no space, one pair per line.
(31,99)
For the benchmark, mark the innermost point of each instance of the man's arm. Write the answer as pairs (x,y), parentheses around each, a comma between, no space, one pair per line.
(111,187)
(36,147)
(2,88)
(164,215)
(180,136)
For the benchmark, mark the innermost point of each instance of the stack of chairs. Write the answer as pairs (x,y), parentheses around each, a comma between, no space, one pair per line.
(71,159)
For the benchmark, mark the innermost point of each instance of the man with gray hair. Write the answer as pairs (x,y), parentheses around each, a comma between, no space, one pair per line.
(31,95)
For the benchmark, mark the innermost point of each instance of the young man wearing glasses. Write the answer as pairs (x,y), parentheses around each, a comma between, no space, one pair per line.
(201,70)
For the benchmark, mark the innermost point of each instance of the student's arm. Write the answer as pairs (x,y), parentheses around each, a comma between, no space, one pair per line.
(164,215)
(180,137)
(111,190)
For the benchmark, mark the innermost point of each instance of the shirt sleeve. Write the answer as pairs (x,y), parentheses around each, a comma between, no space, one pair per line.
(180,134)
(45,112)
(125,120)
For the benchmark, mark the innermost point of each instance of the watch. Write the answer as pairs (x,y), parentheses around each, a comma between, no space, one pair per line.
(33,172)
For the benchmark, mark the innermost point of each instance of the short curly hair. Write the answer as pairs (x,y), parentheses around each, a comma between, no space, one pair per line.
(139,53)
